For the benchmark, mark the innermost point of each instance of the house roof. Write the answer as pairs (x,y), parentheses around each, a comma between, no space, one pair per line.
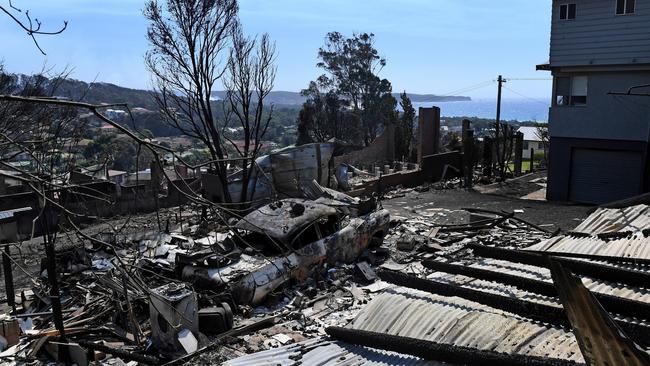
(530,133)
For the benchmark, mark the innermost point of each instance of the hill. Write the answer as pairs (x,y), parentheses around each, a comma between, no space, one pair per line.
(294,98)
(100,92)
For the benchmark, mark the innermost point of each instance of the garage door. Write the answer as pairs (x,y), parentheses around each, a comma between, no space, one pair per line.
(601,176)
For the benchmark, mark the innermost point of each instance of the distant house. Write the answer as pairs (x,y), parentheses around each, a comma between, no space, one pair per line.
(138,177)
(115,113)
(102,172)
(106,128)
(532,140)
(117,176)
(240,144)
(598,140)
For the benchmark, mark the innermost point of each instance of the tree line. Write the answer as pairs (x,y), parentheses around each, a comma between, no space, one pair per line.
(350,102)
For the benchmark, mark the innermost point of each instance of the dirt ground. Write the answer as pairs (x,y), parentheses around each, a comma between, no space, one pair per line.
(547,214)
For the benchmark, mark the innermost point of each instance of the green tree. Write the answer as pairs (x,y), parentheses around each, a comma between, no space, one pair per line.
(404,129)
(350,95)
(324,117)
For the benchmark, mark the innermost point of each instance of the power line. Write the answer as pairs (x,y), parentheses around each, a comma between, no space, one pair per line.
(469,88)
(525,96)
(529,79)
(486,83)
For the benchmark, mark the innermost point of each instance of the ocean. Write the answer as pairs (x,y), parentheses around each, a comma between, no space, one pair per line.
(511,109)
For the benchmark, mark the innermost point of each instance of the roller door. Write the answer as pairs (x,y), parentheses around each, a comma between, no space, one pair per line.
(601,176)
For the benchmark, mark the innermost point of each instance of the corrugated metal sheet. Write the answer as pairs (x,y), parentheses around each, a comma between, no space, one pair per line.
(286,171)
(636,247)
(327,353)
(543,274)
(605,220)
(416,314)
(501,289)
(493,288)
(599,337)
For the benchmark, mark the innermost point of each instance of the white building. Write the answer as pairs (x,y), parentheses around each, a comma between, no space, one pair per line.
(532,140)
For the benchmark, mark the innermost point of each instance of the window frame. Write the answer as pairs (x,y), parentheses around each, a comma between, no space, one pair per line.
(625,7)
(570,101)
(568,11)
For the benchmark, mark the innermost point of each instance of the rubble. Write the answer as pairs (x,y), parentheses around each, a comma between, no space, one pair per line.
(470,296)
(334,275)
(150,296)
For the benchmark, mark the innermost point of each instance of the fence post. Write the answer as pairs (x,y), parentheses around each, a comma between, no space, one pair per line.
(532,159)
(9,277)
(486,162)
(466,126)
(468,158)
(519,151)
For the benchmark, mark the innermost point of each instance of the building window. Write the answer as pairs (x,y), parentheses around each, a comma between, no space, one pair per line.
(525,146)
(567,11)
(625,7)
(571,91)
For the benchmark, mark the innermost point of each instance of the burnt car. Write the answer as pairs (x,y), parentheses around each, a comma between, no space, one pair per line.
(285,240)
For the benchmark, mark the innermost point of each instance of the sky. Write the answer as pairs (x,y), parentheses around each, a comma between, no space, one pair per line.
(431,46)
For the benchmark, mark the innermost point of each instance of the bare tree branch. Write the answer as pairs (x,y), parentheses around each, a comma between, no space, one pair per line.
(32,27)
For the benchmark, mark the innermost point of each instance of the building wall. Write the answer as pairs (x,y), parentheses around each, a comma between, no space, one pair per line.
(382,150)
(428,132)
(605,116)
(538,146)
(598,36)
(561,156)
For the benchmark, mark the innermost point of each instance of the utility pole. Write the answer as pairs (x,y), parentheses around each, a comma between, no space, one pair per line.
(497,128)
(500,81)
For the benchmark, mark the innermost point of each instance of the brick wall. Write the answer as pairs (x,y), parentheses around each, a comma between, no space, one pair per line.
(382,150)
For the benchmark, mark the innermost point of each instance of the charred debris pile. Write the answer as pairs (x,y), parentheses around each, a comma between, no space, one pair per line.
(334,278)
(493,290)
(164,296)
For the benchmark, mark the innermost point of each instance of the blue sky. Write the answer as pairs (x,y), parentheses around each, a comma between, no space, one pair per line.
(432,46)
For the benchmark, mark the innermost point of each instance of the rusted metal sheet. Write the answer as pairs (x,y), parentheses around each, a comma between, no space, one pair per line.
(600,339)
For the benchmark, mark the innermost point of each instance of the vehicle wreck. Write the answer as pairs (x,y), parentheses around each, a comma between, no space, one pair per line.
(285,241)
